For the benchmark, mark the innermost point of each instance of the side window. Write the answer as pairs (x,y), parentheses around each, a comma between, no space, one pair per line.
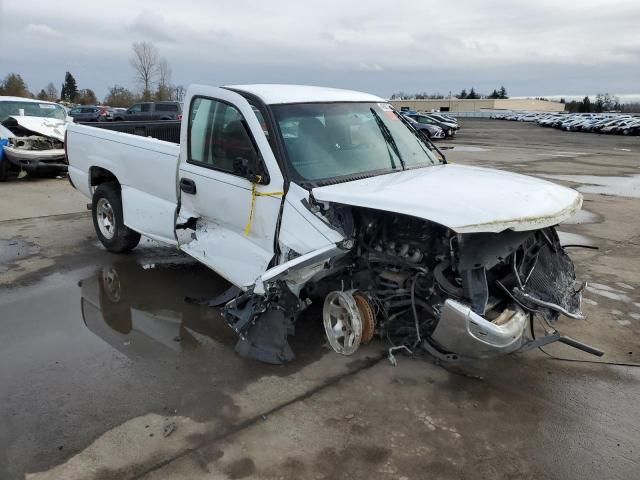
(166,107)
(146,107)
(218,138)
(135,109)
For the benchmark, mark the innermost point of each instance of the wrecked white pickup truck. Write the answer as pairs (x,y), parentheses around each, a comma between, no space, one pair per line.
(32,136)
(302,194)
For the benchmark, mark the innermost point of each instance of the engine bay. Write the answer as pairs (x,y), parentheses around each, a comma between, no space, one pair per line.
(417,284)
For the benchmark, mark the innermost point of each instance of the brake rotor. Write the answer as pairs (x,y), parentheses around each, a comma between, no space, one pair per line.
(342,322)
(367,316)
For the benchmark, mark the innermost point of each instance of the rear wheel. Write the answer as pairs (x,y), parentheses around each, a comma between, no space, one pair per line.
(108,220)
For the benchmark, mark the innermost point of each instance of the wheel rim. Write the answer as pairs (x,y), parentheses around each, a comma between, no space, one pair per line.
(106,218)
(342,322)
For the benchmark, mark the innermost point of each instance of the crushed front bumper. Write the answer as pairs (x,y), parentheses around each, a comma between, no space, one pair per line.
(462,331)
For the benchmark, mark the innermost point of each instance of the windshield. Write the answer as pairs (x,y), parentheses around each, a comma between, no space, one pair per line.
(31,109)
(326,141)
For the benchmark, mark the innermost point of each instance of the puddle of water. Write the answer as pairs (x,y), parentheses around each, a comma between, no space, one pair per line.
(583,217)
(635,316)
(617,186)
(15,249)
(608,292)
(623,149)
(567,238)
(118,344)
(562,154)
(467,148)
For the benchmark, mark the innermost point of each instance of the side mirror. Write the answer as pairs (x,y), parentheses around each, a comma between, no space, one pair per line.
(242,168)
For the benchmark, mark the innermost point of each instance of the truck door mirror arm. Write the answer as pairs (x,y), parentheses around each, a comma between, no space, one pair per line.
(242,168)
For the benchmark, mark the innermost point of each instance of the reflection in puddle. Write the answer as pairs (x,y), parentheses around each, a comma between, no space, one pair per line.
(465,148)
(141,311)
(617,186)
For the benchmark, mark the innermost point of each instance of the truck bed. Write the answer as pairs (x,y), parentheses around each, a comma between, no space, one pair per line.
(146,169)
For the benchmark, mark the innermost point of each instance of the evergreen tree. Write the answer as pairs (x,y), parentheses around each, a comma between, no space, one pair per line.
(69,88)
(494,94)
(463,93)
(42,95)
(472,94)
(503,92)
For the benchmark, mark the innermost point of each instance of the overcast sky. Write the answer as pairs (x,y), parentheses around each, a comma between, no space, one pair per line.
(541,47)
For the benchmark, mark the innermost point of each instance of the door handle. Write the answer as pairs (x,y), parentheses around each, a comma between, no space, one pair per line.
(188,186)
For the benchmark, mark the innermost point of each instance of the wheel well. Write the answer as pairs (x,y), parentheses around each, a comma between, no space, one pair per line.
(99,175)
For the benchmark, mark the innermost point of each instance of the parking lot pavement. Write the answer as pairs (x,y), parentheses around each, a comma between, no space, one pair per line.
(36,197)
(107,373)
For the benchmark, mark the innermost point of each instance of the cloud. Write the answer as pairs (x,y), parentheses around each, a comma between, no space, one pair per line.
(371,67)
(533,48)
(42,30)
(153,26)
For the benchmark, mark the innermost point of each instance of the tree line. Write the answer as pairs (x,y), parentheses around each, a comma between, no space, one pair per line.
(152,75)
(604,102)
(464,94)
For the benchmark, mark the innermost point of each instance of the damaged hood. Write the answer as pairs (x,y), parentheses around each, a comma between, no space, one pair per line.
(463,198)
(49,127)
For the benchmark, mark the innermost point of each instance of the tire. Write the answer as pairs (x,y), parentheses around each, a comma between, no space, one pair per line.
(4,168)
(106,210)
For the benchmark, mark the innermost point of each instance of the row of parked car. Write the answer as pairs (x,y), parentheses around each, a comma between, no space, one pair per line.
(435,126)
(145,111)
(612,123)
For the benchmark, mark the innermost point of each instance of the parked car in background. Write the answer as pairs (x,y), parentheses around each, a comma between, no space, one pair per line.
(90,114)
(151,111)
(432,132)
(31,137)
(426,119)
(604,122)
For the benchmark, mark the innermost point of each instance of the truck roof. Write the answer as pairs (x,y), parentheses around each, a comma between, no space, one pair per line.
(278,93)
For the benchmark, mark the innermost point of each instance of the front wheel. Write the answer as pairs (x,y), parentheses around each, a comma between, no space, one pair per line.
(106,210)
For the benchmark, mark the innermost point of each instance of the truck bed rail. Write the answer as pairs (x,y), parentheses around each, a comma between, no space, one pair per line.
(167,130)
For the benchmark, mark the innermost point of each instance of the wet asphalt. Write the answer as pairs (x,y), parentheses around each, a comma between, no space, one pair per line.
(100,354)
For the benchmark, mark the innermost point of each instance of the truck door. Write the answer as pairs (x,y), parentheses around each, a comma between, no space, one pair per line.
(230,186)
(133,112)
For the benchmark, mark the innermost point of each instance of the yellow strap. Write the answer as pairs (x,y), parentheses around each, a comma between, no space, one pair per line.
(255,193)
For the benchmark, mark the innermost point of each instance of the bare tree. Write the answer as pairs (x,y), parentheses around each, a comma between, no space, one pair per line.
(52,92)
(164,80)
(145,62)
(178,93)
